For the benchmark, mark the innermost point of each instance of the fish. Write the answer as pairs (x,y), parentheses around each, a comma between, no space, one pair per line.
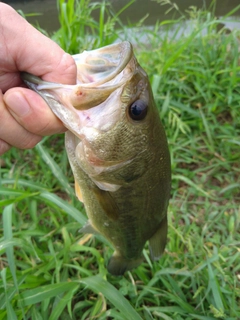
(117,149)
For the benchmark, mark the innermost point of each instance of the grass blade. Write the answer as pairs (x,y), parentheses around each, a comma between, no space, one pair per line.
(192,184)
(54,167)
(213,284)
(98,284)
(39,294)
(7,229)
(63,301)
(69,209)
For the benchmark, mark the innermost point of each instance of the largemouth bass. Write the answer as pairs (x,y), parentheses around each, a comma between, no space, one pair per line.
(117,150)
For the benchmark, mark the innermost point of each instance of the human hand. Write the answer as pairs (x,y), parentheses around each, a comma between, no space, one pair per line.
(24,116)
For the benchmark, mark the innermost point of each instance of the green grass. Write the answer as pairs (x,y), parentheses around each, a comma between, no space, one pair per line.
(80,30)
(48,271)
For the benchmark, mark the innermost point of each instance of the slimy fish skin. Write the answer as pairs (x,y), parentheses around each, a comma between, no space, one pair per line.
(117,150)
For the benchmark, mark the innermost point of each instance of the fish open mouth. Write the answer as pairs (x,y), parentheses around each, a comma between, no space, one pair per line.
(99,73)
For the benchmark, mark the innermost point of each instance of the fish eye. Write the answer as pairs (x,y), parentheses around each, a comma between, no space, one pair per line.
(138,110)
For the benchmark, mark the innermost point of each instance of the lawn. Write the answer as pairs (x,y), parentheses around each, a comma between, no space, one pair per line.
(48,270)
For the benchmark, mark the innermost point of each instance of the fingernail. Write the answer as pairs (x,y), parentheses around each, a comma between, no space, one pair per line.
(17,103)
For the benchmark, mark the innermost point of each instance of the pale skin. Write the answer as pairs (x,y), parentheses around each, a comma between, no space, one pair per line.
(24,116)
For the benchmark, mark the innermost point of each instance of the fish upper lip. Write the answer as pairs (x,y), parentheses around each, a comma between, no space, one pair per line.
(116,56)
(99,70)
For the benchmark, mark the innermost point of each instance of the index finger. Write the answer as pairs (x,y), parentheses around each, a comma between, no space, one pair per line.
(27,49)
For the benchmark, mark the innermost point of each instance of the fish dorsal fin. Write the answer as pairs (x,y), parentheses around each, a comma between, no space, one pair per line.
(78,191)
(158,241)
(107,203)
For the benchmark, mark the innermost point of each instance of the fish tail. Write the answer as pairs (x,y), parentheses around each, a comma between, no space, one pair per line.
(118,265)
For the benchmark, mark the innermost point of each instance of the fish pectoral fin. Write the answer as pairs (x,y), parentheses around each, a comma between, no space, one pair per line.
(107,203)
(158,241)
(78,191)
(88,229)
(118,265)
